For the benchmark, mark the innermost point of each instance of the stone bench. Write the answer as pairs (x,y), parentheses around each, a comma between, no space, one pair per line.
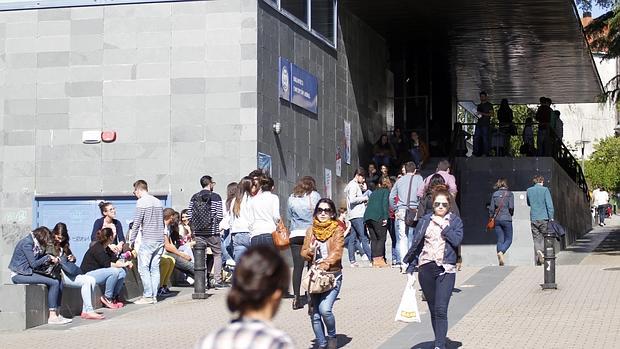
(25,306)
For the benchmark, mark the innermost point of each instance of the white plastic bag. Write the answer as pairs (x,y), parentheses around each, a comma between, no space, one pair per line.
(408,308)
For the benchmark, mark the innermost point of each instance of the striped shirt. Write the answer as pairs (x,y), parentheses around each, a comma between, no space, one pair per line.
(216,209)
(149,216)
(247,334)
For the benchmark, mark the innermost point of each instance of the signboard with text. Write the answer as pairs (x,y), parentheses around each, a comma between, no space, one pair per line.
(298,86)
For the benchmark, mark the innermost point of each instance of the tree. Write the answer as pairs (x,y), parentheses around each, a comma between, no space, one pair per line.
(604,36)
(603,168)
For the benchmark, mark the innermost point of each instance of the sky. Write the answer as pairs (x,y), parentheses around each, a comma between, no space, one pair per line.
(596,11)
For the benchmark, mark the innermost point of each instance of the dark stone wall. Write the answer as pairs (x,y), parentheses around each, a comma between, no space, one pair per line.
(352,86)
(477,176)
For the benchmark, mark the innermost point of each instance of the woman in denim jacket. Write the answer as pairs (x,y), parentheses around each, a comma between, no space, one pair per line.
(300,207)
(29,254)
(433,252)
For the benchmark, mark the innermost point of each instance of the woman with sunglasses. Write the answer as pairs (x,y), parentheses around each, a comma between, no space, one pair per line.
(323,245)
(433,253)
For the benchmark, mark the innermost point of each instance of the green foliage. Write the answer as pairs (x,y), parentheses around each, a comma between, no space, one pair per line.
(603,168)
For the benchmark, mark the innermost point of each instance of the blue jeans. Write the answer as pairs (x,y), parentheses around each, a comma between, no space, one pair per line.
(54,287)
(404,234)
(113,279)
(503,231)
(393,237)
(481,140)
(437,290)
(227,247)
(602,213)
(358,232)
(358,245)
(86,283)
(240,242)
(322,315)
(148,266)
(262,240)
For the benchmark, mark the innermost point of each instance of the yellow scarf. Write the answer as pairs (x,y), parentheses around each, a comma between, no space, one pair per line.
(323,231)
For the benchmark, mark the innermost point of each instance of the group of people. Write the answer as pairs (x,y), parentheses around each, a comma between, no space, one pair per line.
(497,139)
(395,150)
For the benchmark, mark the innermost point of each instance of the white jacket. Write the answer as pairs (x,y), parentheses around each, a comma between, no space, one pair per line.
(264,209)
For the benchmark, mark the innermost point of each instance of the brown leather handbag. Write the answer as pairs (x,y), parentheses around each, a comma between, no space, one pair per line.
(491,222)
(281,236)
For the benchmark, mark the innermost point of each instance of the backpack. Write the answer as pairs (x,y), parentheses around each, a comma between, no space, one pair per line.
(202,215)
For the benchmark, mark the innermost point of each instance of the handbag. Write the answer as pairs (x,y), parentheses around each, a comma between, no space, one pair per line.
(408,308)
(69,268)
(317,280)
(281,236)
(411,214)
(491,222)
(49,270)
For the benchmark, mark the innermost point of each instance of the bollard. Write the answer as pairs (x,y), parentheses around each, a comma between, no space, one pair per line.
(199,271)
(549,264)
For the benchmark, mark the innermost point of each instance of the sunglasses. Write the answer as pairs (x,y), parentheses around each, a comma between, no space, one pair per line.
(323,210)
(437,204)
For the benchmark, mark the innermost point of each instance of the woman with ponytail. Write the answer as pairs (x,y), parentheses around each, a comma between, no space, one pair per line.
(323,246)
(260,279)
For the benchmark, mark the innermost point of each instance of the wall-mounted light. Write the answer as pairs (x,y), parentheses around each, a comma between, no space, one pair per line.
(277,127)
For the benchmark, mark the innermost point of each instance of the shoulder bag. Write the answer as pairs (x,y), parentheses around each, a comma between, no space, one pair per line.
(491,222)
(49,270)
(411,214)
(316,279)
(281,236)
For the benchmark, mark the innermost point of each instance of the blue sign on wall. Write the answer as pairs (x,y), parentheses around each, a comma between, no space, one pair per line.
(298,86)
(284,80)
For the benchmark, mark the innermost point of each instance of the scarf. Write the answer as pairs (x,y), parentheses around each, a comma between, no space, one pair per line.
(325,230)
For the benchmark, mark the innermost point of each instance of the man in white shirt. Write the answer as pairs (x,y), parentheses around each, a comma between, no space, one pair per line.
(356,206)
(601,202)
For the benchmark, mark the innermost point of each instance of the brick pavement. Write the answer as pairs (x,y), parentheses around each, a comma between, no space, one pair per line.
(364,316)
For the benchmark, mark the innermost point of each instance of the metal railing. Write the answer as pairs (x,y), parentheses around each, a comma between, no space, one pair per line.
(509,142)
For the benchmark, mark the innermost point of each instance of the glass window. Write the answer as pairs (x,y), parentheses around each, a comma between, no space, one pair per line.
(297,8)
(323,18)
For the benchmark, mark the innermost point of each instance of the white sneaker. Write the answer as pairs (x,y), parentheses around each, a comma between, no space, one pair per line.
(145,300)
(58,320)
(68,321)
(364,258)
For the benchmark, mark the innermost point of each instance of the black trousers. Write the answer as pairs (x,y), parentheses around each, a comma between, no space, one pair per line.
(298,262)
(378,234)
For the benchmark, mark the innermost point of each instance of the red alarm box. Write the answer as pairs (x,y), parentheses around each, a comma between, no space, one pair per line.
(108,136)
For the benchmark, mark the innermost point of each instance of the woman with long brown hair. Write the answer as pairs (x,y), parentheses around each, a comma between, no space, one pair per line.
(323,246)
(502,208)
(300,207)
(240,217)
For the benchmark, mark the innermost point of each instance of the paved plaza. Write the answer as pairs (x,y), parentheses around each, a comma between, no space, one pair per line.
(491,307)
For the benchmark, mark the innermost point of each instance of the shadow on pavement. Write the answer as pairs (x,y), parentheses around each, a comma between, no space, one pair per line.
(430,345)
(343,340)
(611,244)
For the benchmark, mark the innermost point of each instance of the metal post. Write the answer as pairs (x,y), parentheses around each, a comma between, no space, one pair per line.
(549,264)
(199,271)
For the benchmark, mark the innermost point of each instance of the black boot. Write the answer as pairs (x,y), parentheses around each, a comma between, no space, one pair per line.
(297,303)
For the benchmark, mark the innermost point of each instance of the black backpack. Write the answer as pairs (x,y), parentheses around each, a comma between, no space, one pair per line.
(202,216)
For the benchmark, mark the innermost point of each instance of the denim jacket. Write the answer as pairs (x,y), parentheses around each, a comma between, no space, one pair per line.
(24,259)
(301,209)
(453,234)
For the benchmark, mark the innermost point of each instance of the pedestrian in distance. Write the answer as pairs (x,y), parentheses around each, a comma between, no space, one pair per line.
(376,218)
(264,209)
(260,279)
(240,217)
(502,209)
(433,254)
(300,207)
(601,202)
(206,213)
(323,245)
(149,218)
(356,206)
(541,212)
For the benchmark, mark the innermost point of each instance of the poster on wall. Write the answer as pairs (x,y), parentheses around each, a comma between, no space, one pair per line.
(347,142)
(264,162)
(338,163)
(328,183)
